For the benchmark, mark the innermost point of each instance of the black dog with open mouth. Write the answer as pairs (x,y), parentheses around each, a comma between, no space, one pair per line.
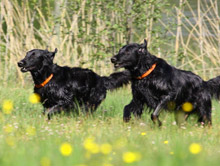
(65,88)
(156,84)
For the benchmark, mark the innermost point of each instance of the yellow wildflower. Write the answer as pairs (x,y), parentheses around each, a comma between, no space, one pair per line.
(7,106)
(187,107)
(171,153)
(45,161)
(66,149)
(34,98)
(166,142)
(130,157)
(91,146)
(106,148)
(143,133)
(195,148)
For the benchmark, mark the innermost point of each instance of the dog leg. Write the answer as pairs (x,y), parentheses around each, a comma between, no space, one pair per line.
(156,113)
(209,122)
(138,112)
(44,111)
(53,110)
(155,119)
(205,120)
(209,117)
(205,112)
(127,113)
(136,107)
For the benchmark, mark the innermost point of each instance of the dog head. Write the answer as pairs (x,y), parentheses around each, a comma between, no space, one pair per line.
(129,55)
(36,59)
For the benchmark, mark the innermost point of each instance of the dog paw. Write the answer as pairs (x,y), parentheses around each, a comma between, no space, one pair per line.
(126,119)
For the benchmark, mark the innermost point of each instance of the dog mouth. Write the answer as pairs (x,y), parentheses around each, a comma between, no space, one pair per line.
(26,69)
(122,64)
(118,65)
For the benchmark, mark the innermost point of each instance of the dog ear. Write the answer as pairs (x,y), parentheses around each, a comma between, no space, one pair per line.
(52,54)
(55,51)
(143,47)
(145,44)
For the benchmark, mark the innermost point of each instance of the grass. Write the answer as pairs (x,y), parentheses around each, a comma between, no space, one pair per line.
(27,138)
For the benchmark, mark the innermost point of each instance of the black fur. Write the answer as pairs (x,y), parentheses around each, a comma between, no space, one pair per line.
(69,87)
(164,84)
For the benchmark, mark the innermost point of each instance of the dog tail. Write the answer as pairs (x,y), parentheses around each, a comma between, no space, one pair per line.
(214,87)
(116,80)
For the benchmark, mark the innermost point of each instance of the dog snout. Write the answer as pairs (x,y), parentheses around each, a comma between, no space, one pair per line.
(21,63)
(113,59)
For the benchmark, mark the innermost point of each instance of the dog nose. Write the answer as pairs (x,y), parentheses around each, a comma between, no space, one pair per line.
(21,63)
(113,59)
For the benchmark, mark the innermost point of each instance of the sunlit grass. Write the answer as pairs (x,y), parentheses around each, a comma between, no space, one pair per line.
(27,138)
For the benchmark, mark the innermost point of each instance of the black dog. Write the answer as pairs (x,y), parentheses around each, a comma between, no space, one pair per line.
(65,88)
(156,83)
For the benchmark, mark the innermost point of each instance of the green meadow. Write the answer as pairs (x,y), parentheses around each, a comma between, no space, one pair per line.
(87,33)
(27,138)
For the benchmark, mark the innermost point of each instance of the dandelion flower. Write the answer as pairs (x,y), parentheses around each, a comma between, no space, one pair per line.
(187,107)
(66,149)
(195,148)
(106,148)
(7,106)
(171,153)
(91,146)
(143,133)
(34,98)
(166,142)
(45,161)
(130,157)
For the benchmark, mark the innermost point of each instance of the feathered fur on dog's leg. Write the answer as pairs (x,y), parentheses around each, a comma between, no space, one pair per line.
(117,80)
(44,111)
(134,107)
(156,113)
(205,111)
(53,110)
(127,113)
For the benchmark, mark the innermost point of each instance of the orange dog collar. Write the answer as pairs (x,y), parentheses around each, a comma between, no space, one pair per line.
(147,72)
(45,82)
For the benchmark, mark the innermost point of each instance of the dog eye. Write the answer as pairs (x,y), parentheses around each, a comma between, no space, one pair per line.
(33,53)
